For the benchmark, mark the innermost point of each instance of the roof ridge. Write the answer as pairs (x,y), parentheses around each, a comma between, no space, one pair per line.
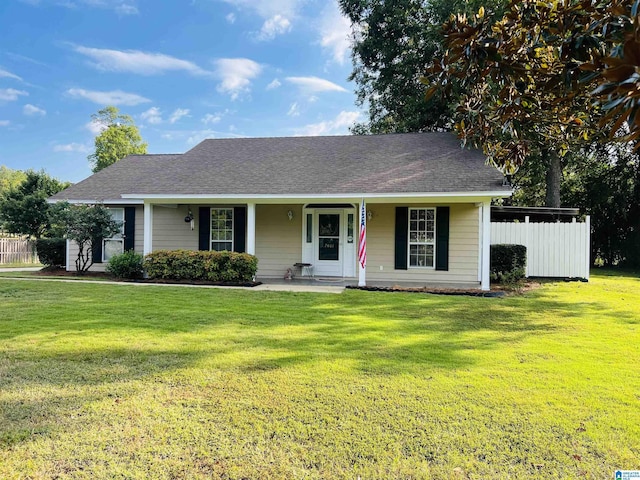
(278,137)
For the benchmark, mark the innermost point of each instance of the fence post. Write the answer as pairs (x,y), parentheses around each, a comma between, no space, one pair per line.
(587,220)
(526,244)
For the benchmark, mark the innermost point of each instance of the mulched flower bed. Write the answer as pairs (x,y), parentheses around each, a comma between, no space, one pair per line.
(194,282)
(437,291)
(61,272)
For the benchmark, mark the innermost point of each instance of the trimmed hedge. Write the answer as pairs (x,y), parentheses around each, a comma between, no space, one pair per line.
(52,252)
(228,267)
(126,265)
(508,262)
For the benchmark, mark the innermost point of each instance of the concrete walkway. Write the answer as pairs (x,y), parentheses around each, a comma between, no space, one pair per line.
(20,269)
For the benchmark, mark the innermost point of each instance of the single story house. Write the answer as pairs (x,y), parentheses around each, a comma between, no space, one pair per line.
(297,200)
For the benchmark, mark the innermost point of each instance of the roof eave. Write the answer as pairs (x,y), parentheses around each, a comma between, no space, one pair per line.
(451,197)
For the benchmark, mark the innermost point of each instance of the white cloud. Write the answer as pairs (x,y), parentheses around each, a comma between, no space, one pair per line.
(210,118)
(294,111)
(338,125)
(115,97)
(278,15)
(117,6)
(95,128)
(269,8)
(72,147)
(152,116)
(275,83)
(177,114)
(6,74)
(125,9)
(276,25)
(11,94)
(315,84)
(335,31)
(135,61)
(231,18)
(197,136)
(236,75)
(4,123)
(32,110)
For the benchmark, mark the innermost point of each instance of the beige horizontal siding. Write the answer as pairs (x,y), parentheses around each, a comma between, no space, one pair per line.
(278,239)
(463,247)
(171,232)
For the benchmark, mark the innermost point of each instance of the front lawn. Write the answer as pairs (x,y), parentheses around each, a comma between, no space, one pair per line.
(144,382)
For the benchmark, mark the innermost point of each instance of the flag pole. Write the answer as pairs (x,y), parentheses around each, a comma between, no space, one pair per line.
(362,246)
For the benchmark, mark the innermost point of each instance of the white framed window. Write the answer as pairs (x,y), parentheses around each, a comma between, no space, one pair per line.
(222,229)
(422,237)
(114,245)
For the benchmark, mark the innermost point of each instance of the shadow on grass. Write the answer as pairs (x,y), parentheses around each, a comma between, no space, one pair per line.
(100,340)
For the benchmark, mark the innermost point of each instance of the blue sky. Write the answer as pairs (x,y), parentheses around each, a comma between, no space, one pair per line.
(185,70)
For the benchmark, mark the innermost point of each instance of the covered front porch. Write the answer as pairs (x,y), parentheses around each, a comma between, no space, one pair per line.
(324,233)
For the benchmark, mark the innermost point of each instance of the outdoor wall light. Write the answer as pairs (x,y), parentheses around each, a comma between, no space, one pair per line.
(189,219)
(369,215)
(290,215)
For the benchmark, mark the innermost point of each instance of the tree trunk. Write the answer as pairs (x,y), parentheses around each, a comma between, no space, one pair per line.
(554,178)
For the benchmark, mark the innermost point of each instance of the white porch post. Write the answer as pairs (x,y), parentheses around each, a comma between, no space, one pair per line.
(148,228)
(251,228)
(486,245)
(362,269)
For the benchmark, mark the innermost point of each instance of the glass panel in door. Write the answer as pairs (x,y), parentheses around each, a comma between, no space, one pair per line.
(329,236)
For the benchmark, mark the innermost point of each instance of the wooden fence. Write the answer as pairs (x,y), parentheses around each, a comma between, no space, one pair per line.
(559,250)
(17,250)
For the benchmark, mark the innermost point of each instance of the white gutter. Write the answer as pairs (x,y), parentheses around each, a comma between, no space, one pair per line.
(134,201)
(354,197)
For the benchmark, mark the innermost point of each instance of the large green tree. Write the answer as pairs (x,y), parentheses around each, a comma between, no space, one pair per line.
(530,80)
(392,42)
(10,178)
(120,137)
(24,208)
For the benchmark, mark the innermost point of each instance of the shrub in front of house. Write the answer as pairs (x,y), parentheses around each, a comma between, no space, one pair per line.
(508,262)
(127,265)
(52,252)
(226,267)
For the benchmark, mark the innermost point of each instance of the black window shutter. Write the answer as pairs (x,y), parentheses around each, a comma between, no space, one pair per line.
(129,228)
(96,250)
(204,228)
(442,238)
(402,232)
(239,229)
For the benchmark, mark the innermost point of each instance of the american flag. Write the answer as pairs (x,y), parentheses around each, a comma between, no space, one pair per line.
(362,250)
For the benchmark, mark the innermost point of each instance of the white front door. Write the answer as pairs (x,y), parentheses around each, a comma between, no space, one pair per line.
(329,244)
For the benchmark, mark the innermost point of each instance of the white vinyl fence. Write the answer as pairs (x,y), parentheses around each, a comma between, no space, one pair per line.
(17,250)
(553,249)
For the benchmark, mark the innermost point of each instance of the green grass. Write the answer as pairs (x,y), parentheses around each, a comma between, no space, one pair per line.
(20,265)
(126,381)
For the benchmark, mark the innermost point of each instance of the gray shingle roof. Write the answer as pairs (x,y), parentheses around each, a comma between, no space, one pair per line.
(397,163)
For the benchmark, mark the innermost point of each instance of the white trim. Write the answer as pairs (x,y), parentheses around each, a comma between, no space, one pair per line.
(312,197)
(137,200)
(251,228)
(486,245)
(233,228)
(409,243)
(119,238)
(148,228)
